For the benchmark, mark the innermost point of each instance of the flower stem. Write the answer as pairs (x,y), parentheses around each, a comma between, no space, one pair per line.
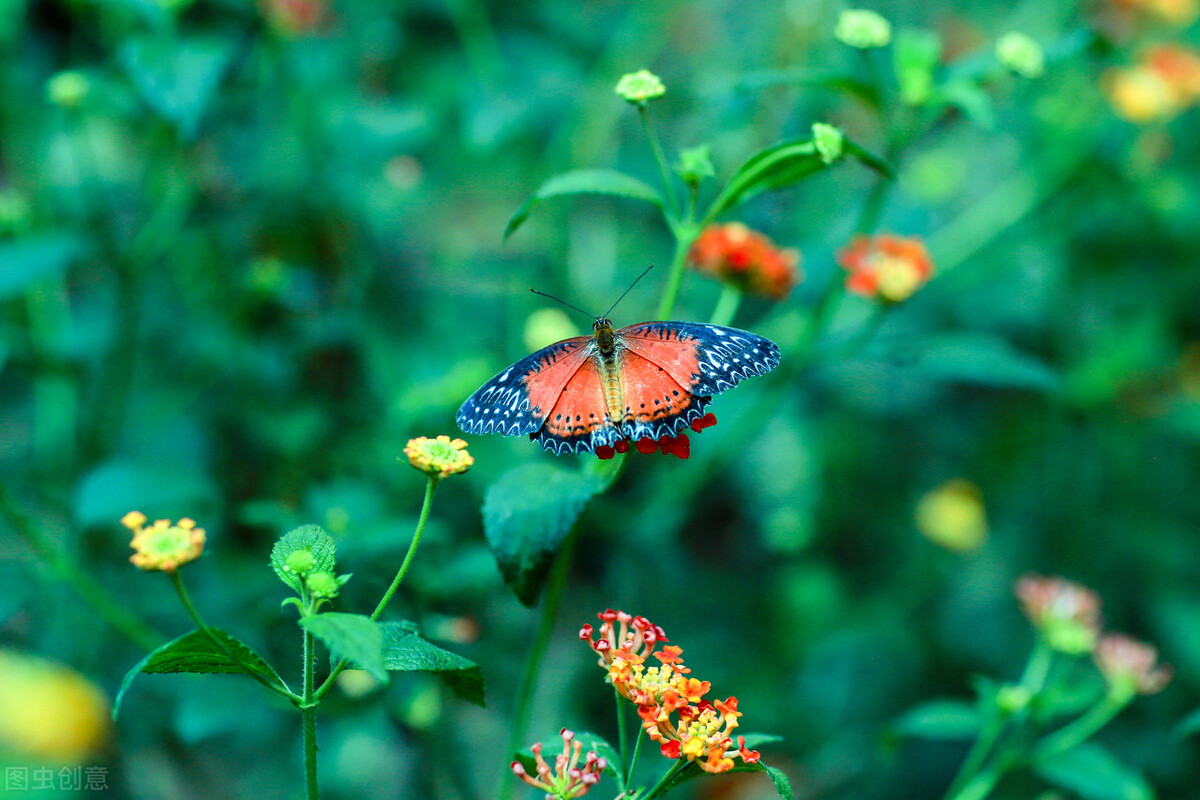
(683,243)
(426,505)
(676,768)
(622,737)
(637,752)
(663,170)
(1078,731)
(308,717)
(204,628)
(67,570)
(550,605)
(727,305)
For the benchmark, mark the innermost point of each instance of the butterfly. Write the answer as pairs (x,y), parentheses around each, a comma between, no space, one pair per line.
(644,381)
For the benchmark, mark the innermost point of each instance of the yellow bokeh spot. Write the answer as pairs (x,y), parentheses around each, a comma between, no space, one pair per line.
(953,516)
(49,712)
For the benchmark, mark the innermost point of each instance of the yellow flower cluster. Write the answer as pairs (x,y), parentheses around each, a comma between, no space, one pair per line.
(440,457)
(163,546)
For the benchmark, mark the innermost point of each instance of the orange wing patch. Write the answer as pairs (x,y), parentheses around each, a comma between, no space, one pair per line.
(546,379)
(579,407)
(656,404)
(676,356)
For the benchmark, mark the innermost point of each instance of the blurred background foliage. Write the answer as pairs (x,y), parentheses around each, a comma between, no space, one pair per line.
(246,251)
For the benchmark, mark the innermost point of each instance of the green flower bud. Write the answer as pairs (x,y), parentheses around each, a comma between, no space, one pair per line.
(828,140)
(695,164)
(640,87)
(67,89)
(1013,699)
(301,562)
(322,585)
(862,28)
(1021,54)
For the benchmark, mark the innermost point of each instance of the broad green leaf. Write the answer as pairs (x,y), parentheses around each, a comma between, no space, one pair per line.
(783,786)
(779,166)
(312,538)
(196,652)
(527,514)
(585,181)
(940,719)
(29,260)
(356,637)
(177,79)
(980,359)
(405,651)
(916,56)
(1093,773)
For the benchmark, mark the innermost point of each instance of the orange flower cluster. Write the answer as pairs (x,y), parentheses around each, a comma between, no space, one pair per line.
(679,446)
(670,704)
(886,267)
(294,17)
(749,260)
(1164,83)
(1180,13)
(567,780)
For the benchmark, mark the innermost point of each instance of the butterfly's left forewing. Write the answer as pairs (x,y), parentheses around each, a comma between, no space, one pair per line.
(705,359)
(518,400)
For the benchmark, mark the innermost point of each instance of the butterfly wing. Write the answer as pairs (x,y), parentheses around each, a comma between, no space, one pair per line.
(704,359)
(519,399)
(577,421)
(658,401)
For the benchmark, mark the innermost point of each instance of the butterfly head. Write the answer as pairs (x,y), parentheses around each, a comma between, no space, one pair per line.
(604,333)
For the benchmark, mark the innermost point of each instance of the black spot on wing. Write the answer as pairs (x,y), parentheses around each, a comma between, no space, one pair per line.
(650,428)
(726,356)
(502,404)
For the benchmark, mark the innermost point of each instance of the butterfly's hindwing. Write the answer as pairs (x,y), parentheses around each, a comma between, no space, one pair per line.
(578,422)
(710,358)
(514,402)
(657,403)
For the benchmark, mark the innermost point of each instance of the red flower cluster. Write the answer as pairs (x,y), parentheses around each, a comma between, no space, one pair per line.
(890,268)
(735,254)
(678,446)
(671,705)
(568,780)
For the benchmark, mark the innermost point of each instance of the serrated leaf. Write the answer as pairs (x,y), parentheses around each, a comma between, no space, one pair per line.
(1093,773)
(405,651)
(356,637)
(312,538)
(527,513)
(981,359)
(29,260)
(176,78)
(779,779)
(778,166)
(940,719)
(196,652)
(585,181)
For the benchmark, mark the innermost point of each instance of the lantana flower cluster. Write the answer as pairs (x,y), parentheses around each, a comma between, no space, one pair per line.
(1163,83)
(886,267)
(746,259)
(163,546)
(670,704)
(569,779)
(1067,616)
(678,445)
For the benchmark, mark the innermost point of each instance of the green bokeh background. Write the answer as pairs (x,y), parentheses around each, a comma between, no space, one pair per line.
(249,265)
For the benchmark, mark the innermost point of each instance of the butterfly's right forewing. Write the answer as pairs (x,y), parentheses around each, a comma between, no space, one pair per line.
(518,399)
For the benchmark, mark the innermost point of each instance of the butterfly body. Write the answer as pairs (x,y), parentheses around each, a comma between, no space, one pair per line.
(643,381)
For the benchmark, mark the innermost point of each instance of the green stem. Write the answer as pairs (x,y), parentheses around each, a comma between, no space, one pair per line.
(663,170)
(1077,732)
(637,752)
(204,628)
(727,305)
(550,606)
(622,737)
(976,755)
(426,505)
(67,570)
(308,717)
(982,784)
(676,768)
(683,243)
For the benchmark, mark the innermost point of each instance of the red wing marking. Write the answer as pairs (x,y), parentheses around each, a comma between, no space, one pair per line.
(651,393)
(677,356)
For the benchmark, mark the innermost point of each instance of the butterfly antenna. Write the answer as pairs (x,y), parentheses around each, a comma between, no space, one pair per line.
(627,291)
(564,302)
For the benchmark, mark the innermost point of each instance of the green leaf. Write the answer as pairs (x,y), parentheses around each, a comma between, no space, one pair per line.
(177,79)
(1188,726)
(196,652)
(916,56)
(779,166)
(940,719)
(981,359)
(29,260)
(527,514)
(971,99)
(312,538)
(812,78)
(783,786)
(356,637)
(1094,774)
(585,181)
(405,651)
